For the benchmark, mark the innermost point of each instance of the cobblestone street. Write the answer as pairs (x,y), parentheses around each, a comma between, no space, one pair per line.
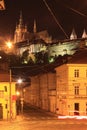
(36,119)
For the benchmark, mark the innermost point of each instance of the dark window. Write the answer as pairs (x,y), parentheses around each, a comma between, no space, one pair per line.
(5,87)
(6,106)
(76,106)
(76,90)
(76,73)
(76,109)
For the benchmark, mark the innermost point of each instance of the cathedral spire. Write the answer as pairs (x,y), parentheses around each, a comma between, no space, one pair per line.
(84,35)
(21,19)
(35,28)
(73,35)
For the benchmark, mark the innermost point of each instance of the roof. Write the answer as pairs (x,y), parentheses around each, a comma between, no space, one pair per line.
(80,57)
(4,76)
(32,41)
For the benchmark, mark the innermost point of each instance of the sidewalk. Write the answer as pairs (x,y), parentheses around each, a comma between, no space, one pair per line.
(8,121)
(42,110)
(21,117)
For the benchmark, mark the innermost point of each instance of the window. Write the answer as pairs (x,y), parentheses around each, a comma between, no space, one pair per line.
(76,73)
(6,106)
(76,106)
(5,87)
(76,90)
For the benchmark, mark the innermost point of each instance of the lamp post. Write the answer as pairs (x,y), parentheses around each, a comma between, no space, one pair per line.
(10,99)
(21,99)
(8,46)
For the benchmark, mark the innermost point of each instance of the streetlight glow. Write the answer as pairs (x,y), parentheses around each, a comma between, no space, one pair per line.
(17,93)
(9,44)
(19,81)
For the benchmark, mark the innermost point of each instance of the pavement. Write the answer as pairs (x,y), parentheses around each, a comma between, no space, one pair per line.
(41,110)
(21,117)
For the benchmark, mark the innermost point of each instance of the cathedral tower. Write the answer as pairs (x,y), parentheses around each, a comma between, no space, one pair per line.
(35,28)
(20,31)
(73,35)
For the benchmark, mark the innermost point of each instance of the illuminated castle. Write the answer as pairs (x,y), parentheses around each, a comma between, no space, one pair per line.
(22,33)
(38,41)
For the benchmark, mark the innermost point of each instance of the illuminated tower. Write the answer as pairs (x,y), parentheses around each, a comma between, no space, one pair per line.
(20,31)
(73,35)
(35,28)
(84,35)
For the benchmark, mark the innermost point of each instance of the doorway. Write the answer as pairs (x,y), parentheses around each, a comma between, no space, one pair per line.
(76,109)
(1,111)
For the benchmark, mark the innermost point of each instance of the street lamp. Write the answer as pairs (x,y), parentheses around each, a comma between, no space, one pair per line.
(21,92)
(9,44)
(17,93)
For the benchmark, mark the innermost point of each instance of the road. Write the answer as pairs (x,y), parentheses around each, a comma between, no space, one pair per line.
(35,119)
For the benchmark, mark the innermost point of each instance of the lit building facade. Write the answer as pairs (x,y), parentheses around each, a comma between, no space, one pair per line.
(42,92)
(72,86)
(63,92)
(64,47)
(7,97)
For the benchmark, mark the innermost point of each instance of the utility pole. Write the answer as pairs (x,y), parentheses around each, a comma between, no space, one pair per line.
(10,95)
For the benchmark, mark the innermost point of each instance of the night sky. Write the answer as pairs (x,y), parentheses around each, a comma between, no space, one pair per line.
(64,11)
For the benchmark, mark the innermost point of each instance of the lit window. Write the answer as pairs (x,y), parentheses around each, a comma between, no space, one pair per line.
(76,90)
(76,73)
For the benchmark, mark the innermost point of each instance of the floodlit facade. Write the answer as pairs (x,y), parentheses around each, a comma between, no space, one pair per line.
(63,92)
(62,48)
(7,97)
(72,87)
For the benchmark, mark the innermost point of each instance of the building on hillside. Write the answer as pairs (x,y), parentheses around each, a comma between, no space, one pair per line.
(22,34)
(7,96)
(34,42)
(68,47)
(33,46)
(72,85)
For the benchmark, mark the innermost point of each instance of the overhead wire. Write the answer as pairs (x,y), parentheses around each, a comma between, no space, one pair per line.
(76,11)
(57,22)
(73,9)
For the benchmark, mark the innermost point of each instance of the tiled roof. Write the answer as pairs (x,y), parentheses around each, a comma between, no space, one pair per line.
(80,57)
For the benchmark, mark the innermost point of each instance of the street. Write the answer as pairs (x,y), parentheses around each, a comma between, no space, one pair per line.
(36,119)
